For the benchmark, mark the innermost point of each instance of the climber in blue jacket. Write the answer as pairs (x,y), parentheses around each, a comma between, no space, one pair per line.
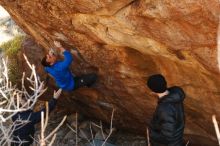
(60,70)
(25,132)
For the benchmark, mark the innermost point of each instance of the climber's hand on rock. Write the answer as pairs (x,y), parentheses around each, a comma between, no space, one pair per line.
(57,44)
(56,94)
(74,52)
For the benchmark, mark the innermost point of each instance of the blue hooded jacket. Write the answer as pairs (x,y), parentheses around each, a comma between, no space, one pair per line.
(61,72)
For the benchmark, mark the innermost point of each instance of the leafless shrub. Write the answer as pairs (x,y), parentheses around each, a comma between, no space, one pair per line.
(100,126)
(50,138)
(14,100)
(216,128)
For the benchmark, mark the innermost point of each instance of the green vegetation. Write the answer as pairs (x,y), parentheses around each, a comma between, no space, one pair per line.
(11,50)
(12,47)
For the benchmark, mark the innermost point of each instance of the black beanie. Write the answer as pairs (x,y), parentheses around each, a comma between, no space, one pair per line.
(157,83)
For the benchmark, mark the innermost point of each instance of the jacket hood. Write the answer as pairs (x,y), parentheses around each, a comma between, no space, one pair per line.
(176,94)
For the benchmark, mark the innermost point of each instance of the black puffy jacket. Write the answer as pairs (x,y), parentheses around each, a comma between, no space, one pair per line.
(167,125)
(26,132)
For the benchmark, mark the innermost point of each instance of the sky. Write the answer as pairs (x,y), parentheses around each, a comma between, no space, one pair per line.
(3,13)
(4,36)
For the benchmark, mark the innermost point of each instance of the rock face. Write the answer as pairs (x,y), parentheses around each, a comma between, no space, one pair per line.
(125,41)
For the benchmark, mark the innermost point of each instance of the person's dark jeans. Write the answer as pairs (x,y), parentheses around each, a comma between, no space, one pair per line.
(153,143)
(85,80)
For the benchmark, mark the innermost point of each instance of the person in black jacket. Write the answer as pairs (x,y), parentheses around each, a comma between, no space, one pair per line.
(25,132)
(167,124)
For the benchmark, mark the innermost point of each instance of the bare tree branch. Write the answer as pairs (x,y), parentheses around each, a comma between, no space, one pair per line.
(14,100)
(216,128)
(43,140)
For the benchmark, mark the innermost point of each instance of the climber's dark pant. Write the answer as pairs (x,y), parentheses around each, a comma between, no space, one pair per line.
(85,80)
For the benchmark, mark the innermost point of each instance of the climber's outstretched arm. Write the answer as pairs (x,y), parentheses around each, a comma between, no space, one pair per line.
(67,56)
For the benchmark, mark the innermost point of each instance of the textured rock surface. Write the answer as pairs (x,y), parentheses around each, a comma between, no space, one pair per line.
(126,40)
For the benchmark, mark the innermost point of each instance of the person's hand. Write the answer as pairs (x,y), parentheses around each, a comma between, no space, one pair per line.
(57,44)
(56,94)
(74,52)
